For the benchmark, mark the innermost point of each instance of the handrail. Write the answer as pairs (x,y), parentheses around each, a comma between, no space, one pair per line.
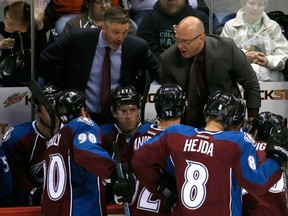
(112,209)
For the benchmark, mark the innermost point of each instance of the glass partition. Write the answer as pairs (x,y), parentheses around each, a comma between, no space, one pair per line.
(223,10)
(23,38)
(220,12)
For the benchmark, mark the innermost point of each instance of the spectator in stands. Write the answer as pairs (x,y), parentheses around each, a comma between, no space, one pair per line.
(24,146)
(140,7)
(82,54)
(16,37)
(157,24)
(58,12)
(260,38)
(92,17)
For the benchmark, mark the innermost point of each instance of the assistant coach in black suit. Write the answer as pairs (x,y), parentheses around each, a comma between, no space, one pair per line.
(82,54)
(221,65)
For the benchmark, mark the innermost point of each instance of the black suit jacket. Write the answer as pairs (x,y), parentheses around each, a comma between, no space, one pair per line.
(226,67)
(74,54)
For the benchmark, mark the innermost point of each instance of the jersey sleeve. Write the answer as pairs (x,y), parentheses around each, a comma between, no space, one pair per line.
(16,146)
(252,175)
(147,171)
(5,177)
(88,151)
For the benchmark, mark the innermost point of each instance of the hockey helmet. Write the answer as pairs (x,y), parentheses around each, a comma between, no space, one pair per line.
(124,95)
(240,113)
(68,104)
(264,123)
(50,92)
(170,101)
(221,105)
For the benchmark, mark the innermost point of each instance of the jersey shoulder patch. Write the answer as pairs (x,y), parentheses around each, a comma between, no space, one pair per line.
(7,135)
(249,138)
(85,120)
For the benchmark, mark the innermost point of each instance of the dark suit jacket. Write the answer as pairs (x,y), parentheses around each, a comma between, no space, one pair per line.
(76,52)
(225,66)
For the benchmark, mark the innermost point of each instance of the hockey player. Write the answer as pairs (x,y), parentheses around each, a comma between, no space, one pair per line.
(125,107)
(170,103)
(74,162)
(209,163)
(273,202)
(24,146)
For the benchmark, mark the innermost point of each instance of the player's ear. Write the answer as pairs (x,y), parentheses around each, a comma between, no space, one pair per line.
(114,114)
(37,114)
(84,112)
(37,111)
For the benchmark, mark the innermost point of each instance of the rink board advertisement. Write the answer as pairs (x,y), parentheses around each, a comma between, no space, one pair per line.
(274,98)
(15,107)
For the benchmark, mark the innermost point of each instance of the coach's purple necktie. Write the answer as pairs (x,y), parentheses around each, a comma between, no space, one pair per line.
(106,86)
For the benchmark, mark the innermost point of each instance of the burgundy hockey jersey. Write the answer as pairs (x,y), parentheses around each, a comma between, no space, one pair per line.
(209,167)
(74,163)
(273,202)
(145,203)
(24,146)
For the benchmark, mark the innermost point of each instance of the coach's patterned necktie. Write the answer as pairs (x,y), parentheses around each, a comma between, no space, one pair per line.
(192,94)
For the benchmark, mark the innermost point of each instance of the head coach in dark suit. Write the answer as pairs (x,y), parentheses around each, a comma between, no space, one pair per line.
(219,63)
(82,54)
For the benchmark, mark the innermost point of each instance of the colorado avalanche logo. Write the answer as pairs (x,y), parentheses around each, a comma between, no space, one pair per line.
(249,138)
(7,134)
(85,120)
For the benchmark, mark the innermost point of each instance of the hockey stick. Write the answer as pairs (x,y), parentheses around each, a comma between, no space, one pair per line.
(120,173)
(41,97)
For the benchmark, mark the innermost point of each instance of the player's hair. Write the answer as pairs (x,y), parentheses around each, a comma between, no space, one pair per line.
(170,101)
(116,15)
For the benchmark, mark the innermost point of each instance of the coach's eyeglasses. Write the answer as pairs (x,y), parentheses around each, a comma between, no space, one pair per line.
(184,42)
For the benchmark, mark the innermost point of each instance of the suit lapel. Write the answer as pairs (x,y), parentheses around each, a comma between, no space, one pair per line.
(208,61)
(90,50)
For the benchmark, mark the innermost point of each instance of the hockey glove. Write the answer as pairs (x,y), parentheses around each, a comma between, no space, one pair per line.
(124,188)
(35,196)
(168,188)
(277,145)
